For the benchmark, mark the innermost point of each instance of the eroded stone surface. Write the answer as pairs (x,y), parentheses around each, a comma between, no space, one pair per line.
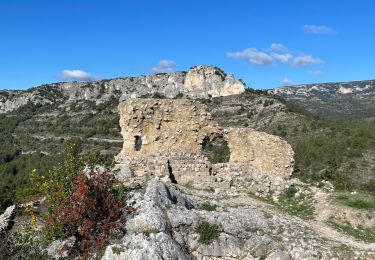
(252,231)
(203,81)
(165,138)
(268,153)
(164,125)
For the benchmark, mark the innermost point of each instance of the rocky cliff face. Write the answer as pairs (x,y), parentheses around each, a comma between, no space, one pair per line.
(198,82)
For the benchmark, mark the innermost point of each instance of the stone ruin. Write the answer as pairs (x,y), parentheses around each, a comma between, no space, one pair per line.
(166,138)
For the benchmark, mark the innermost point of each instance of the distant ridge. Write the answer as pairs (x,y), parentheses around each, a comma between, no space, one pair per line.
(333,100)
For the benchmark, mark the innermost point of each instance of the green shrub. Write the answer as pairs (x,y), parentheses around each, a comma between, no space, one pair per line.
(207,232)
(207,206)
(217,151)
(291,191)
(179,95)
(158,95)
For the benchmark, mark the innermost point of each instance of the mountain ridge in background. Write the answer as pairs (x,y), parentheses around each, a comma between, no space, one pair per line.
(335,100)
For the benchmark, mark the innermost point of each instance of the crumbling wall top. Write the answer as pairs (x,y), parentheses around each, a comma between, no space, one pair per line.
(161,125)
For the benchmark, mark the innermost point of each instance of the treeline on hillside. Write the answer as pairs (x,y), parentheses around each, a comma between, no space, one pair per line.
(14,165)
(20,152)
(335,152)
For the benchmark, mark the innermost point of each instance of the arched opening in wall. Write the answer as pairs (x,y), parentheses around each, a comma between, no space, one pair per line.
(170,171)
(137,142)
(217,150)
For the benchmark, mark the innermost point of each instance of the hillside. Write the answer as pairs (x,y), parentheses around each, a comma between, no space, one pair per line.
(349,100)
(35,124)
(165,199)
(33,133)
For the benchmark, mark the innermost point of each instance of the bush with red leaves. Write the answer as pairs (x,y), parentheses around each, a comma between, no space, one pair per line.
(93,213)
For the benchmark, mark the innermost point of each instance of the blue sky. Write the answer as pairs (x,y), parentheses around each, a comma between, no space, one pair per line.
(265,43)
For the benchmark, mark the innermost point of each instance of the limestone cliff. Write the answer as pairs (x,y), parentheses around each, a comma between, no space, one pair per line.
(198,82)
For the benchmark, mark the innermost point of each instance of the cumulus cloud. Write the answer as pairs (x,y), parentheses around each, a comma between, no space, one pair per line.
(283,58)
(251,55)
(278,47)
(164,66)
(318,29)
(77,75)
(276,53)
(286,82)
(305,60)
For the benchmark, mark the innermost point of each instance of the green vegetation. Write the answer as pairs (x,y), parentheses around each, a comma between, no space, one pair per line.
(33,137)
(207,206)
(291,191)
(365,234)
(22,246)
(179,95)
(217,151)
(331,151)
(207,232)
(358,201)
(154,95)
(301,206)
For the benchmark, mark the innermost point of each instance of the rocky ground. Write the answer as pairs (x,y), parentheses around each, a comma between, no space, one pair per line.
(167,220)
(176,222)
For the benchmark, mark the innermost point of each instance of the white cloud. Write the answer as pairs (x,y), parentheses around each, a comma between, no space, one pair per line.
(276,53)
(286,82)
(77,75)
(306,60)
(318,29)
(164,66)
(283,58)
(251,55)
(278,47)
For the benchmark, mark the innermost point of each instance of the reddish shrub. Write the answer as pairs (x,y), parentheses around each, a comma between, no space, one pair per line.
(93,213)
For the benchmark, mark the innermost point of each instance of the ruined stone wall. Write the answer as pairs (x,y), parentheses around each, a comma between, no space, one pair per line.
(164,138)
(268,153)
(164,125)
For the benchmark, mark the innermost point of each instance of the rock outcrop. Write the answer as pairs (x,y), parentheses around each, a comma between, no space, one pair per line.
(203,81)
(166,138)
(165,227)
(6,219)
(198,82)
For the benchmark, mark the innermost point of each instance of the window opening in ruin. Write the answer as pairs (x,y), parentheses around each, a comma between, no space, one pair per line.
(138,143)
(170,171)
(217,150)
